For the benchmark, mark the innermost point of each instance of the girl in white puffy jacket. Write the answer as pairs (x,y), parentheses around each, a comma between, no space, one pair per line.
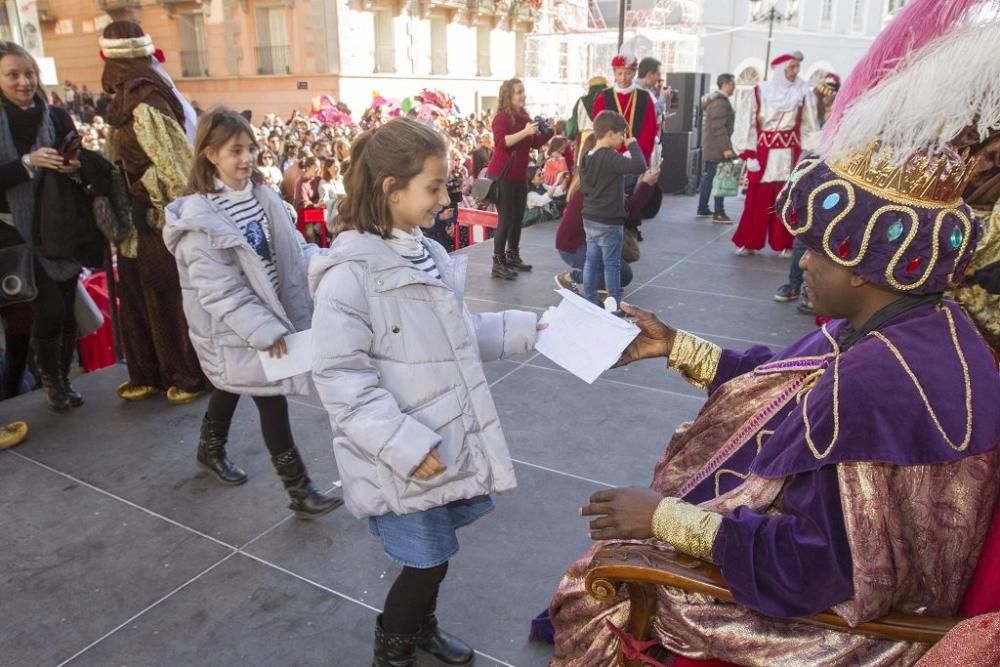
(398,365)
(242,268)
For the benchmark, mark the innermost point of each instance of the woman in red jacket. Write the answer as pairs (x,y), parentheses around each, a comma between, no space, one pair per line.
(514,136)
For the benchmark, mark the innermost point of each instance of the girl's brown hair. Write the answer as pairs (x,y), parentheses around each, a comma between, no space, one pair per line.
(215,127)
(13,49)
(505,102)
(396,150)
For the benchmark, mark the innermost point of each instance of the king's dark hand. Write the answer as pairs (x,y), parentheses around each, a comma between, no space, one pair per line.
(655,338)
(622,514)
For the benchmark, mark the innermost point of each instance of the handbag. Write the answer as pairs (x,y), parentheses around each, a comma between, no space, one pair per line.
(484,188)
(17,275)
(630,246)
(726,181)
(88,315)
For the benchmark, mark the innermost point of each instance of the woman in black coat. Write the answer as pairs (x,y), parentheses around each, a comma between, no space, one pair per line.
(31,134)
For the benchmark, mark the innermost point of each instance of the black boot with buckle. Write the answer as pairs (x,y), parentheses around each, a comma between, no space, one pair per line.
(445,648)
(501,269)
(307,500)
(48,354)
(212,452)
(514,260)
(393,650)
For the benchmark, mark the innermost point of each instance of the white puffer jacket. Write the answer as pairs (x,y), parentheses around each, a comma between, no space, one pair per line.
(232,309)
(398,365)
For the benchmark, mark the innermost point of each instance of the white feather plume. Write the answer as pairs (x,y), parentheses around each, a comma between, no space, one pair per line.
(935,93)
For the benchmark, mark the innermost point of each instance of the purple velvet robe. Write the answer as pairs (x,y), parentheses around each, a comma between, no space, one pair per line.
(798,562)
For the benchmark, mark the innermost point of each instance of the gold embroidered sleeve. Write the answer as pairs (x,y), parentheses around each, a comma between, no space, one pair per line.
(688,528)
(696,359)
(164,142)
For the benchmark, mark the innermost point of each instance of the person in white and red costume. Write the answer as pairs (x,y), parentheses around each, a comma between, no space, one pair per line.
(631,101)
(773,127)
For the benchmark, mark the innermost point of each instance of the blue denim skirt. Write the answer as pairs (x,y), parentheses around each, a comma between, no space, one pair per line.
(427,539)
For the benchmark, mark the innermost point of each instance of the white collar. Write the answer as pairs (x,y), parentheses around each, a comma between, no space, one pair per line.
(625,91)
(234,195)
(405,243)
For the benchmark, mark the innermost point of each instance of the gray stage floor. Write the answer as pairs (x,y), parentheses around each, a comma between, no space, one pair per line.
(119,550)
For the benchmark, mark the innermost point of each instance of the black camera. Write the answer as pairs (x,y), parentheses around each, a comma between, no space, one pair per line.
(543,125)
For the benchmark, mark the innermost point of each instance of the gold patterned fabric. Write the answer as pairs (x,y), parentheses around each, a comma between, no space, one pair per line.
(688,528)
(983,307)
(696,359)
(164,142)
(915,533)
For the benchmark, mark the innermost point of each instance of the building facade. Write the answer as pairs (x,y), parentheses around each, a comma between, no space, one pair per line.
(276,55)
(713,36)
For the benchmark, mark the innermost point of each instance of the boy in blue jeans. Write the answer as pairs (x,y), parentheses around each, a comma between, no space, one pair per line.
(602,175)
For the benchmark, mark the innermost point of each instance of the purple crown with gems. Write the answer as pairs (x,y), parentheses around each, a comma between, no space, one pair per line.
(901,226)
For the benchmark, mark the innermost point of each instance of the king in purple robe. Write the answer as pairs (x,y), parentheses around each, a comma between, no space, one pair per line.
(855,470)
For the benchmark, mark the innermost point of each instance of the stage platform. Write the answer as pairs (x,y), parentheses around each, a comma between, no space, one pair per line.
(118,550)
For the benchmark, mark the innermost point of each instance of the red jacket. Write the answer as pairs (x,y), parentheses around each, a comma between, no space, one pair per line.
(502,127)
(645,117)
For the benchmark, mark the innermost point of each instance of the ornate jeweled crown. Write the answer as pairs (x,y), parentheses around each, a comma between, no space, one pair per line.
(901,226)
(921,180)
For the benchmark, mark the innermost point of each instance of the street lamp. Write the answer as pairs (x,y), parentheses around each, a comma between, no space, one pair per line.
(766,11)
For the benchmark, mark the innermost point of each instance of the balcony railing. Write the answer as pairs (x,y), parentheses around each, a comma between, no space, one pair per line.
(194,63)
(115,5)
(273,60)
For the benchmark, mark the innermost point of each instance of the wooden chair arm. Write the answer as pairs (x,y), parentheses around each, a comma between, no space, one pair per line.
(641,567)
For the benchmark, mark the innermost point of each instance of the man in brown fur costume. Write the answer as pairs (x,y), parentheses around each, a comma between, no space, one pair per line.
(149,144)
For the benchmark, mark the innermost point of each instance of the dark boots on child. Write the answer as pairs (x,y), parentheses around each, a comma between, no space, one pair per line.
(400,650)
(307,500)
(446,648)
(212,452)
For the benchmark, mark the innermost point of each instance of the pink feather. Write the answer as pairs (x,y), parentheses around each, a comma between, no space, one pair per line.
(918,23)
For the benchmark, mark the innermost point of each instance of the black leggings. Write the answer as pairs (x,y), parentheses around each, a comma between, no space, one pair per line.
(53,307)
(411,597)
(273,412)
(512,197)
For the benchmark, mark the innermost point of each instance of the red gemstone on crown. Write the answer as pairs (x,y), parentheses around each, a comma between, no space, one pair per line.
(913,265)
(844,251)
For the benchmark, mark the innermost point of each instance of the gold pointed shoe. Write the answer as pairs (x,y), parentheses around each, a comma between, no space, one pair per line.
(136,392)
(13,434)
(180,397)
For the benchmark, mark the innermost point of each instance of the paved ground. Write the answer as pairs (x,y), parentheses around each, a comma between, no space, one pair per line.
(119,550)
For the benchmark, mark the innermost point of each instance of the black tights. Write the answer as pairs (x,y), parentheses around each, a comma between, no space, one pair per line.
(410,598)
(273,412)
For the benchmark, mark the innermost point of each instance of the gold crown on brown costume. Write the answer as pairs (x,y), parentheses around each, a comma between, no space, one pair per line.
(923,178)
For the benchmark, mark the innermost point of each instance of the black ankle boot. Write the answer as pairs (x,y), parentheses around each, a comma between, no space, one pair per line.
(307,501)
(68,347)
(48,354)
(514,260)
(393,650)
(501,269)
(446,648)
(212,452)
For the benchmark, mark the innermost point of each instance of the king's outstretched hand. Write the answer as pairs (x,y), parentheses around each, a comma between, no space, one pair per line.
(655,339)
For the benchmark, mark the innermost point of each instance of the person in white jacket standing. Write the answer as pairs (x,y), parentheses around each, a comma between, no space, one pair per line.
(398,365)
(242,268)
